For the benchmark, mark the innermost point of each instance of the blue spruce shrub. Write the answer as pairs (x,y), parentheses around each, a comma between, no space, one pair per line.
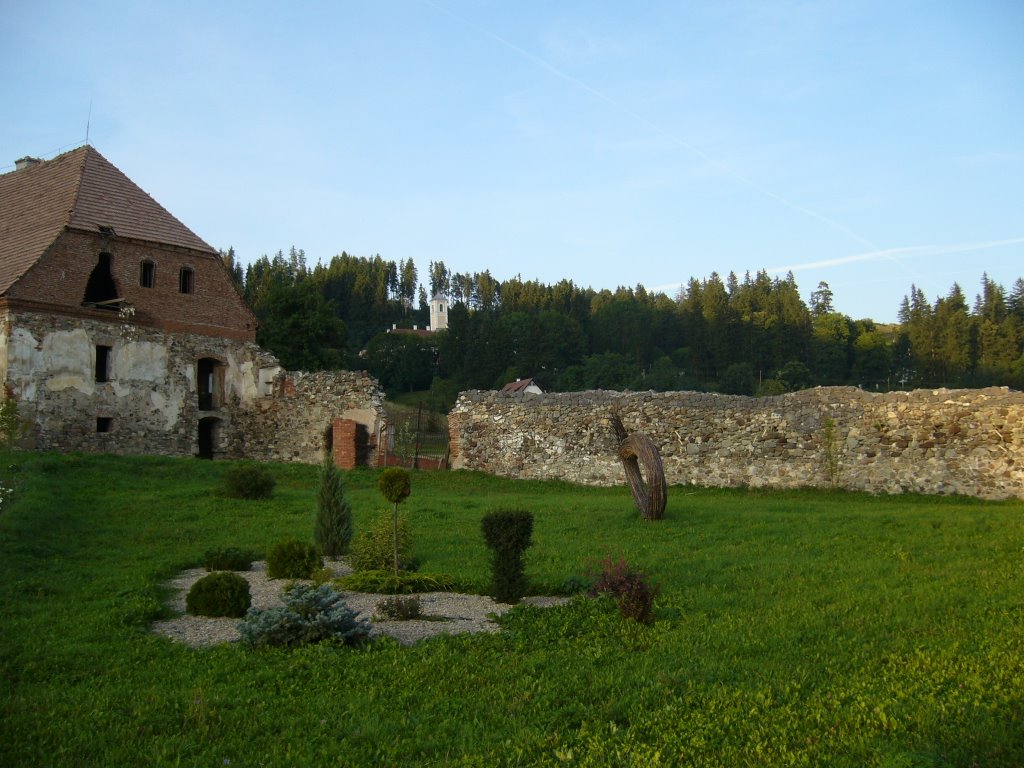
(309,615)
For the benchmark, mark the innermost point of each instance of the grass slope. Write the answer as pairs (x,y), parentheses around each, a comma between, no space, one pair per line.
(798,628)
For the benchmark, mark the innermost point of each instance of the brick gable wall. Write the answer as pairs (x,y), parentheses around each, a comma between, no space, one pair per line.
(58,280)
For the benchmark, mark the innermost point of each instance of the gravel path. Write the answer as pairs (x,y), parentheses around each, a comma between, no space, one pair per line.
(450,612)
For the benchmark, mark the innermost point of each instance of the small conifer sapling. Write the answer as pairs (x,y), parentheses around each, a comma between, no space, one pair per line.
(333,531)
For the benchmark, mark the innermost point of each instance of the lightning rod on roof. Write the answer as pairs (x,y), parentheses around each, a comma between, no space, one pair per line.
(87,121)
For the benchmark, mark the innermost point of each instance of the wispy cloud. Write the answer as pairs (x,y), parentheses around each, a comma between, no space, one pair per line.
(896,254)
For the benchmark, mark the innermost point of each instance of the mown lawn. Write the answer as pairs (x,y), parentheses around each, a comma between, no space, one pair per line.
(802,628)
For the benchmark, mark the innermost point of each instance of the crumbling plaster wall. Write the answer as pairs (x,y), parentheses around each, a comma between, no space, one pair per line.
(151,395)
(943,441)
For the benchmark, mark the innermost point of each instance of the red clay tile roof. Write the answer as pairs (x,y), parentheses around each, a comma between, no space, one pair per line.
(81,190)
(517,386)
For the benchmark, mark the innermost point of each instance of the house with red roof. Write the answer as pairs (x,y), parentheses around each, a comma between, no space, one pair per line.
(120,328)
(527,386)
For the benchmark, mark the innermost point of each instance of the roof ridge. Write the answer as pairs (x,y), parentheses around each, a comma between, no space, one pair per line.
(78,182)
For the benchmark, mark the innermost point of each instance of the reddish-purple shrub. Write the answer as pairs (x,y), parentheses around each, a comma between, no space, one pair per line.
(633,592)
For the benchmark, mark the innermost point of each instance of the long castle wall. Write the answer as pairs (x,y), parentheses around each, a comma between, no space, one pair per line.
(943,441)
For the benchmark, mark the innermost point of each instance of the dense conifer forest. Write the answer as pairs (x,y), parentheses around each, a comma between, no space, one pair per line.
(751,335)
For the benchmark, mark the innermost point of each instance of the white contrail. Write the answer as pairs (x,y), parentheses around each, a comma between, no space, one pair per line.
(894,253)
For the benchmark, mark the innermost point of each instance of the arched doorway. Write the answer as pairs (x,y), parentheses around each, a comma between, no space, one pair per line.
(209,431)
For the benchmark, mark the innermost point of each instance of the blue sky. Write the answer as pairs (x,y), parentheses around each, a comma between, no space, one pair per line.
(867,144)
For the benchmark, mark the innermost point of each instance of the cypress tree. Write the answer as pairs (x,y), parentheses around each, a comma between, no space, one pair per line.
(333,531)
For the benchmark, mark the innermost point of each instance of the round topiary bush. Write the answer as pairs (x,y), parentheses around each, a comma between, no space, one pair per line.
(293,559)
(219,594)
(394,484)
(249,481)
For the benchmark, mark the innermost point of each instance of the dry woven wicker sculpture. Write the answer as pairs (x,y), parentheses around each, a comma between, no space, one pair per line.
(636,449)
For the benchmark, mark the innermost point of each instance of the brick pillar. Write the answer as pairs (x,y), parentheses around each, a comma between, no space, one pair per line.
(344,434)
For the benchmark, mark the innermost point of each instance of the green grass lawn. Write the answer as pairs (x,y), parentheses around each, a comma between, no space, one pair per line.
(792,628)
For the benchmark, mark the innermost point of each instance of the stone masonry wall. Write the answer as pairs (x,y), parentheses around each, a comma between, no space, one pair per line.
(295,422)
(944,441)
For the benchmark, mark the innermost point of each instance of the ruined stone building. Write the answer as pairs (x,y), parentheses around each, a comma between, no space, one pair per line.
(121,330)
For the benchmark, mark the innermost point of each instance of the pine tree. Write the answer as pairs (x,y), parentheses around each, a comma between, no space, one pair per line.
(333,531)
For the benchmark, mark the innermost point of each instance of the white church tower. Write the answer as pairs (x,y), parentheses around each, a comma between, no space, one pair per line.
(438,313)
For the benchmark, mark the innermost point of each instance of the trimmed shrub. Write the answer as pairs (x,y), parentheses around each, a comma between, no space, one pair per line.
(633,592)
(219,594)
(228,559)
(507,533)
(373,549)
(399,608)
(309,615)
(248,481)
(293,559)
(333,530)
(386,583)
(394,484)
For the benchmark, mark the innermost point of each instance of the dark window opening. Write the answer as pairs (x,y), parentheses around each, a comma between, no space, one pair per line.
(102,363)
(329,441)
(186,280)
(101,287)
(147,274)
(104,423)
